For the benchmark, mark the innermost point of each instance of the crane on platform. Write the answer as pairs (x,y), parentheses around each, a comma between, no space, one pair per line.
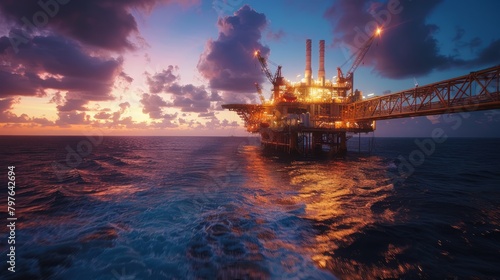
(276,80)
(348,79)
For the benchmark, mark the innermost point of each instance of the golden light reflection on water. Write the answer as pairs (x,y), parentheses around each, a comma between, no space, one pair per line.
(114,192)
(338,196)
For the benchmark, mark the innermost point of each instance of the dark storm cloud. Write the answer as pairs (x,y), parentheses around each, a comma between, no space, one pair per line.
(408,46)
(228,62)
(490,54)
(18,84)
(105,24)
(57,63)
(4,44)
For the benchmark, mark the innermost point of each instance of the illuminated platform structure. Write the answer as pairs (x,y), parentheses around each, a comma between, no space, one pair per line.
(315,117)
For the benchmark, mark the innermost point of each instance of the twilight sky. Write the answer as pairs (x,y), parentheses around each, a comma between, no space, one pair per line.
(164,67)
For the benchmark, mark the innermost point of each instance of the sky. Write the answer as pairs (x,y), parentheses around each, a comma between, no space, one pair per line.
(165,67)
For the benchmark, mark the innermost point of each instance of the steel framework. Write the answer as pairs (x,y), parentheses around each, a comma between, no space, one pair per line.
(250,113)
(476,91)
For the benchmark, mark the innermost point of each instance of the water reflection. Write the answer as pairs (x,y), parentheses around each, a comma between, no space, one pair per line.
(339,203)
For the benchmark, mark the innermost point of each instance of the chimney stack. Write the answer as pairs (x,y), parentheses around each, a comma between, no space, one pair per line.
(321,70)
(308,71)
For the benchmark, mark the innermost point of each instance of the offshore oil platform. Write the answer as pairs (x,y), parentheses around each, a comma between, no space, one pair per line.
(316,117)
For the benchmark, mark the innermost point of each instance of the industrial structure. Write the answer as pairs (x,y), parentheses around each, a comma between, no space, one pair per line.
(317,116)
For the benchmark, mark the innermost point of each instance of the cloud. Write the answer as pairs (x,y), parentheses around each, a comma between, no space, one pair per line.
(489,55)
(190,98)
(6,104)
(226,123)
(57,98)
(126,77)
(124,106)
(159,82)
(459,34)
(102,115)
(168,121)
(105,24)
(42,121)
(152,105)
(187,98)
(4,44)
(214,96)
(113,119)
(206,115)
(461,44)
(276,36)
(228,62)
(214,123)
(408,47)
(72,118)
(73,105)
(18,84)
(54,62)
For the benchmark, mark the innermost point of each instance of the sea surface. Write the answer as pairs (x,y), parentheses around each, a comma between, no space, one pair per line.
(218,208)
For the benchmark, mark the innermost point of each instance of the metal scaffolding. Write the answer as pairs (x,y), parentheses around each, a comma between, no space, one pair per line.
(473,92)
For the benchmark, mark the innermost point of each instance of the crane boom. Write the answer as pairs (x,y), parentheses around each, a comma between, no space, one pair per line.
(357,61)
(362,52)
(276,80)
(263,64)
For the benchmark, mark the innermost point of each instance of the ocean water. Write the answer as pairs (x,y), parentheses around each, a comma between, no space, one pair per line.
(218,208)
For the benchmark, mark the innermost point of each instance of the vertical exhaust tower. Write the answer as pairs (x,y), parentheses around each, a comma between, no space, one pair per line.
(308,72)
(321,70)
